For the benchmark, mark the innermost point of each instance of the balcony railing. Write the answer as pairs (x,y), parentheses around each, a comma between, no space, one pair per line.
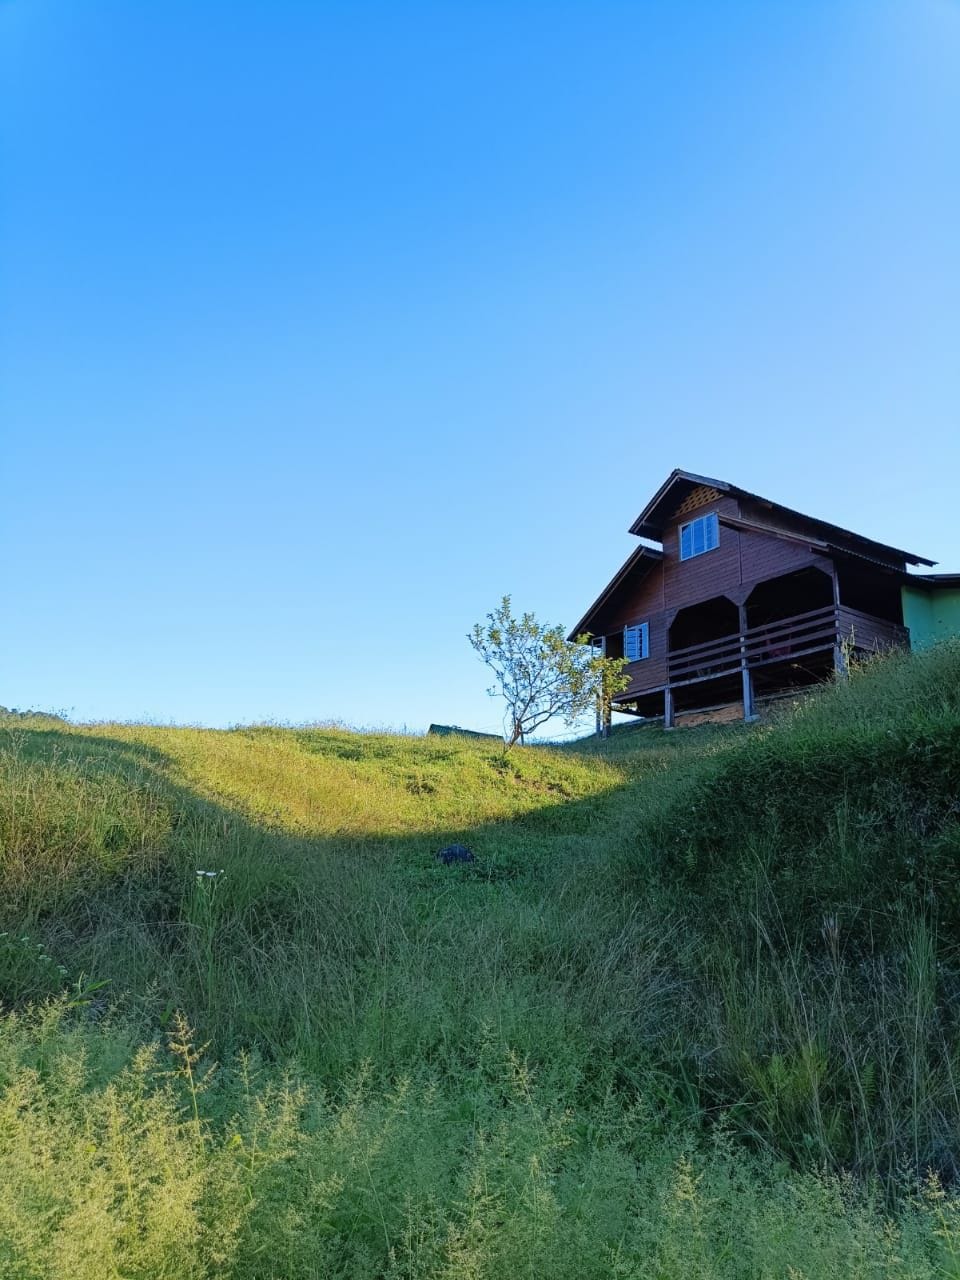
(783,641)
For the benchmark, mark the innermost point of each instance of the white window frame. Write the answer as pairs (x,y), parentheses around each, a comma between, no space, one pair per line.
(710,526)
(636,638)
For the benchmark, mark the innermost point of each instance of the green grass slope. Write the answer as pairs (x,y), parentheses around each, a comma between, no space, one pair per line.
(691,1012)
(848,808)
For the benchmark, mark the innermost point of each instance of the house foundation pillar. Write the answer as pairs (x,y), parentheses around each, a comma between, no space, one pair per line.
(668,708)
(746,674)
(748,711)
(839,653)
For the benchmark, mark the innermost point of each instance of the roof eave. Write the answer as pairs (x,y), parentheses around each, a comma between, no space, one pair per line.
(641,553)
(642,528)
(935,579)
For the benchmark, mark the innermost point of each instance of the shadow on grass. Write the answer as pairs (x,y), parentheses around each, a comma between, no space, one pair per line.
(305,939)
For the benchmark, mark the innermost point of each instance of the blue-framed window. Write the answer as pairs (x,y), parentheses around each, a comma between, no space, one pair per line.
(636,642)
(699,536)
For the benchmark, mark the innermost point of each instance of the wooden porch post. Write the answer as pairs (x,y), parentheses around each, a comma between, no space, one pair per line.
(745,672)
(839,657)
(668,708)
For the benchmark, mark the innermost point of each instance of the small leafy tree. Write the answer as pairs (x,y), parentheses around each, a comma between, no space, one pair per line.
(540,674)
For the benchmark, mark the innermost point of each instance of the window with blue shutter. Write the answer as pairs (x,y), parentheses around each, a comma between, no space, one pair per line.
(636,642)
(700,535)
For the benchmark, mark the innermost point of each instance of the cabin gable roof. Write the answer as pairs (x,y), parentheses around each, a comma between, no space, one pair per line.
(684,490)
(637,563)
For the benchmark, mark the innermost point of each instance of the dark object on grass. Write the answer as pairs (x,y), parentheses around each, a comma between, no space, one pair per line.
(455,853)
(445,730)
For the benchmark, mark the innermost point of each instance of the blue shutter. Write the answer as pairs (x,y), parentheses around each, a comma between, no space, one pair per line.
(636,642)
(686,542)
(712,523)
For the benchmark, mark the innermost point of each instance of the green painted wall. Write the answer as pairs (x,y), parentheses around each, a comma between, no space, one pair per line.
(931,615)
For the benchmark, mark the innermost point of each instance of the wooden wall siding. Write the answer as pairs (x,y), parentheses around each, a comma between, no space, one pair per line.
(782,520)
(634,600)
(795,524)
(870,633)
(638,604)
(766,556)
(741,560)
(688,582)
(645,607)
(651,673)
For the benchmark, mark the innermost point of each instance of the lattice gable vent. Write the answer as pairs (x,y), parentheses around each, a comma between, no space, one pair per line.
(697,498)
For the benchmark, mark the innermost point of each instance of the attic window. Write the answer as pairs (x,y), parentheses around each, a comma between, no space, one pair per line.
(699,536)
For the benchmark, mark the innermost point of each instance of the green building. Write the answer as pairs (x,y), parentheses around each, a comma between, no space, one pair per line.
(931,607)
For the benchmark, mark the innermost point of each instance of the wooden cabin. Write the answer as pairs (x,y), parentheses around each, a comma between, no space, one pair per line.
(733,599)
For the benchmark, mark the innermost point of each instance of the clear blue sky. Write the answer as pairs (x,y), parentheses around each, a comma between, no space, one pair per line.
(324,325)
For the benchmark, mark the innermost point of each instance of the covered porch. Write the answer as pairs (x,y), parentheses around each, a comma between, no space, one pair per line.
(786,634)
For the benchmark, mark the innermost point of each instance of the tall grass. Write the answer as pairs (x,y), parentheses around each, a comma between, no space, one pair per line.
(692,1011)
(126,1161)
(816,860)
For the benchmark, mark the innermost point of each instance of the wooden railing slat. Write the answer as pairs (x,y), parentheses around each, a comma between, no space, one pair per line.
(795,635)
(784,624)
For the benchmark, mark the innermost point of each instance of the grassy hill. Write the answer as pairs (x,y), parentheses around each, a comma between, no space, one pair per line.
(691,1011)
